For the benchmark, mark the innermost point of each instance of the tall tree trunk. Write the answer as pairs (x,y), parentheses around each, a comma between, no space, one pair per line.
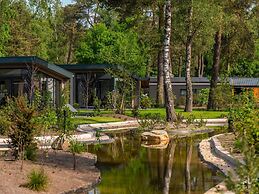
(180,66)
(215,70)
(199,65)
(202,66)
(160,81)
(169,97)
(188,79)
(160,78)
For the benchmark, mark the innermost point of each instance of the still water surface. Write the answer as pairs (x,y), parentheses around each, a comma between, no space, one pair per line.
(128,168)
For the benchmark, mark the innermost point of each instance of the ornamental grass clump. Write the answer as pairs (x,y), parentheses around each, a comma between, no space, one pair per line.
(37,180)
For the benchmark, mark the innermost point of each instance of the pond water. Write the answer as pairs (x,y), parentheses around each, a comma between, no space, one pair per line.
(128,168)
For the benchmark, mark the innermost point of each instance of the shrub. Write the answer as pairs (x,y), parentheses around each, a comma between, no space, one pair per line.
(203,96)
(31,152)
(76,148)
(38,180)
(135,112)
(97,105)
(190,119)
(145,101)
(76,105)
(150,121)
(18,118)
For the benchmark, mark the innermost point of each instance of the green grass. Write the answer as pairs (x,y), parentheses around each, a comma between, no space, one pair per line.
(37,180)
(197,113)
(93,120)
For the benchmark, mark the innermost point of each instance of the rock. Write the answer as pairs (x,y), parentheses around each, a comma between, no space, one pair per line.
(61,143)
(161,145)
(155,136)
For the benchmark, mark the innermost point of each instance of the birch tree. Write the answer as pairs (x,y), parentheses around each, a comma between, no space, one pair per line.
(169,96)
(188,79)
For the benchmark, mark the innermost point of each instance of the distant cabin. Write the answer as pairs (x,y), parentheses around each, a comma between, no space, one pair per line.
(198,83)
(84,81)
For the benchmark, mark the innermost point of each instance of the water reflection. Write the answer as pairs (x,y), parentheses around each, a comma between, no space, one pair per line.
(128,168)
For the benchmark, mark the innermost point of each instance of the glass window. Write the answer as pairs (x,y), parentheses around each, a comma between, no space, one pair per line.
(183,92)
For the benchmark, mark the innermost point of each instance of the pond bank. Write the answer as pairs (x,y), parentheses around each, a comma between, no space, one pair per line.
(215,155)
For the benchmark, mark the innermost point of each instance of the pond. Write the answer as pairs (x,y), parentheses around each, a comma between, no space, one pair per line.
(128,168)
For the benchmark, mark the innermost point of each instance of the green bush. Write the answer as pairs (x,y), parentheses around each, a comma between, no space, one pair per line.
(18,118)
(145,101)
(31,152)
(38,180)
(76,148)
(76,105)
(203,96)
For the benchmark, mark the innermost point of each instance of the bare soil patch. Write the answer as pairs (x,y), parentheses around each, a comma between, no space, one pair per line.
(58,165)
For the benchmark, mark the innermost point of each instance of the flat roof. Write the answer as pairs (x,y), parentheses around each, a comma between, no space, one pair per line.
(88,67)
(7,62)
(233,81)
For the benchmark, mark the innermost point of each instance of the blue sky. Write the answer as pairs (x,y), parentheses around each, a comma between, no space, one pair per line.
(65,2)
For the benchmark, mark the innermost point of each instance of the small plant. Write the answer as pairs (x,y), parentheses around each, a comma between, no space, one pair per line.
(31,152)
(201,123)
(38,180)
(135,112)
(97,105)
(76,105)
(151,121)
(190,119)
(76,148)
(179,119)
(145,101)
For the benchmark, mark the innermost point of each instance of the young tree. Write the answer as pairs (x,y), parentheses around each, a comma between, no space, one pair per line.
(169,96)
(76,148)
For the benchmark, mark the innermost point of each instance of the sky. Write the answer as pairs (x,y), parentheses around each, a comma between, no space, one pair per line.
(65,2)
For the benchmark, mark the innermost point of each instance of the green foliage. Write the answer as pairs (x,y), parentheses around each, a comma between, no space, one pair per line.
(145,101)
(38,180)
(123,92)
(31,152)
(150,121)
(201,123)
(244,116)
(76,147)
(64,120)
(190,119)
(135,112)
(203,96)
(97,105)
(18,119)
(224,96)
(112,45)
(76,105)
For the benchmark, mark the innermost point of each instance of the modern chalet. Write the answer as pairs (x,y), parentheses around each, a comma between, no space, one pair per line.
(87,80)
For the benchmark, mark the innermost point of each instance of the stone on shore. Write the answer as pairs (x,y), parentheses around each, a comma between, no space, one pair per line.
(157,136)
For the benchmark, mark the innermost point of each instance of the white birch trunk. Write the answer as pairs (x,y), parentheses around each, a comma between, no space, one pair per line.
(169,97)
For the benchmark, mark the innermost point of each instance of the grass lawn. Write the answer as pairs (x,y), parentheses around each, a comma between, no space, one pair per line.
(197,113)
(92,120)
